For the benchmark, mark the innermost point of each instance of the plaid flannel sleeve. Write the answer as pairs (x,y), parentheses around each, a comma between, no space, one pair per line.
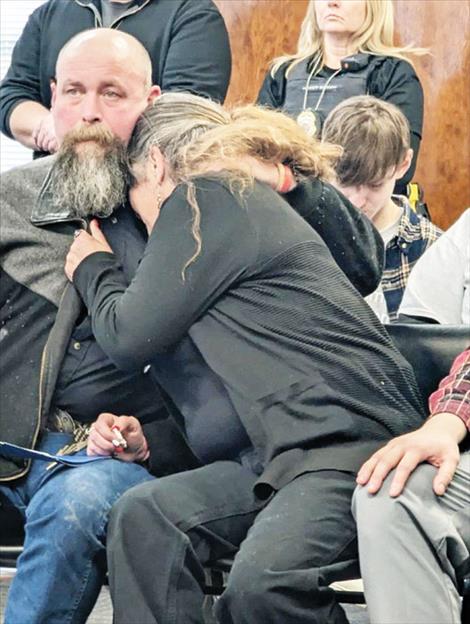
(453,394)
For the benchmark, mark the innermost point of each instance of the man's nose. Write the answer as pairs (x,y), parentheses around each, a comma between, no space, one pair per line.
(91,109)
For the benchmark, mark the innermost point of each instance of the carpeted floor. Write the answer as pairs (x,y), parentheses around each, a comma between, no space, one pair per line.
(102,613)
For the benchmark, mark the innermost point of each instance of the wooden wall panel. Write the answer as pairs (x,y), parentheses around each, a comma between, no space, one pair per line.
(262,29)
(443,26)
(259,31)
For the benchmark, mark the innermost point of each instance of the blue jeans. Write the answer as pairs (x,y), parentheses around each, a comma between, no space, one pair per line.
(61,570)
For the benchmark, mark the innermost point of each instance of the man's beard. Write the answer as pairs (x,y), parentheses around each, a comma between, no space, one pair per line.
(89,176)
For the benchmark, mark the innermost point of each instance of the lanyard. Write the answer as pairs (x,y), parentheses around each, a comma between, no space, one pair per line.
(308,118)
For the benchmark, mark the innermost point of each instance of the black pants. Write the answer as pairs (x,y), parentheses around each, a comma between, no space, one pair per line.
(291,547)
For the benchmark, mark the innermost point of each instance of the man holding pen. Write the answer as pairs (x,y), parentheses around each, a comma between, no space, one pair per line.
(55,379)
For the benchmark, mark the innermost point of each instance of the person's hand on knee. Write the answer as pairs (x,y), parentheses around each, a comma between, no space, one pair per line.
(436,442)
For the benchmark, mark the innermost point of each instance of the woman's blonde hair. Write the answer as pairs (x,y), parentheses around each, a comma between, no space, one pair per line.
(197,136)
(375,36)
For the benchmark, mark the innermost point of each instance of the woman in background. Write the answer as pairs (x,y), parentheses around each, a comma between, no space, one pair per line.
(345,49)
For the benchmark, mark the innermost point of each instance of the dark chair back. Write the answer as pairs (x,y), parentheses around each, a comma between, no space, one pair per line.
(430,349)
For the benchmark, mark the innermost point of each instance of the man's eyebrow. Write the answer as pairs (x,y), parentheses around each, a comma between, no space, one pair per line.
(73,83)
(111,83)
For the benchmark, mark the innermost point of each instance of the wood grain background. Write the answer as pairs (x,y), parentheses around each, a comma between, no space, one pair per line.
(262,29)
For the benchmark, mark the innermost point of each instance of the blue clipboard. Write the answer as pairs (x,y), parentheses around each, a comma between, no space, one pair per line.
(13,450)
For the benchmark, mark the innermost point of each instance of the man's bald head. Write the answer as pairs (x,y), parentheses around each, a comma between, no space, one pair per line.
(103,77)
(103,84)
(120,46)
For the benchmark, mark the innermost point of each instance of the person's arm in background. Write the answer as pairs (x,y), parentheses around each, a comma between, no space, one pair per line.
(396,81)
(273,90)
(22,116)
(436,442)
(199,58)
(31,124)
(353,241)
(436,288)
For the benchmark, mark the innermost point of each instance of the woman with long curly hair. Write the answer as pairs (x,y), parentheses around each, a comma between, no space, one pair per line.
(283,377)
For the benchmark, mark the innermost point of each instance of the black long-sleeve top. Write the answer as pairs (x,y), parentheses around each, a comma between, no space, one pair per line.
(310,372)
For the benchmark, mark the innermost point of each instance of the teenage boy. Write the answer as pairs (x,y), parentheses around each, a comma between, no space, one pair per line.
(375,138)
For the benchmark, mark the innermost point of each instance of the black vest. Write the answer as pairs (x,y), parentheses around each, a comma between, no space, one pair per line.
(325,92)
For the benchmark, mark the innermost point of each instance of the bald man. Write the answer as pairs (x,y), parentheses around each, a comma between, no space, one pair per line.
(55,380)
(186,40)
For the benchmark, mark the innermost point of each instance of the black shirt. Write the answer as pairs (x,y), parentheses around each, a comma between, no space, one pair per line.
(88,381)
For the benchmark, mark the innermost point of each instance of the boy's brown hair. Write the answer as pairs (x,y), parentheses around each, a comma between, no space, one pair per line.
(374,135)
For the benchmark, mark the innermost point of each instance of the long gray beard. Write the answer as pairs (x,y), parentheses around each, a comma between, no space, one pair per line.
(90,184)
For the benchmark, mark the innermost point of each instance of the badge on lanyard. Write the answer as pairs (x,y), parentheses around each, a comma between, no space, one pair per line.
(309,118)
(308,121)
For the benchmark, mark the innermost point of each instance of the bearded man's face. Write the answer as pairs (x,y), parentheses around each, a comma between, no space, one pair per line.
(89,176)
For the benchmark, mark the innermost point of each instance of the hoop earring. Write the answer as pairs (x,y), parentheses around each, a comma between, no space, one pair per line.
(158,200)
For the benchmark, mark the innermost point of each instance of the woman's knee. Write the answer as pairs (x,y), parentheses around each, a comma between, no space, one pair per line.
(133,507)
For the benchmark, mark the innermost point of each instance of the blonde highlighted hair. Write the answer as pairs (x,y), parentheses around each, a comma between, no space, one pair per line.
(375,36)
(197,136)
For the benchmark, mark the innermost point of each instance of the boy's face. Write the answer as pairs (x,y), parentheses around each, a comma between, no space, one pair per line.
(373,199)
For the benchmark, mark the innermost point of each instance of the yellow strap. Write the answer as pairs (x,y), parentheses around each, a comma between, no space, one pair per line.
(413,194)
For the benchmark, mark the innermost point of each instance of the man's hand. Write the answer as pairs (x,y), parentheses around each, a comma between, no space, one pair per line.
(270,174)
(436,442)
(100,441)
(262,171)
(31,124)
(43,135)
(84,245)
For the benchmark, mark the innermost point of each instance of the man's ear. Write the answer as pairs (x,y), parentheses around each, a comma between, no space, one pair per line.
(154,93)
(405,165)
(53,85)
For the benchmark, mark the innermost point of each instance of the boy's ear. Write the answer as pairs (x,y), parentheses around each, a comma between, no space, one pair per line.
(405,165)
